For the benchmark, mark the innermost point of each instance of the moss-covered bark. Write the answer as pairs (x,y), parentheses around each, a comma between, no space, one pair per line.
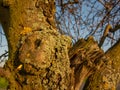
(38,54)
(44,59)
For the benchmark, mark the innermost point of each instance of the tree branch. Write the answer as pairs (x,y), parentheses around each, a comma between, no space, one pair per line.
(117,27)
(69,3)
(109,77)
(4,55)
(85,57)
(106,31)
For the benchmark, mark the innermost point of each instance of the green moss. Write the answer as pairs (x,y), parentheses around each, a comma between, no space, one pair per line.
(3,82)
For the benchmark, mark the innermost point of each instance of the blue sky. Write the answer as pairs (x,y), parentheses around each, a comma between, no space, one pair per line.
(83,27)
(3,42)
(3,45)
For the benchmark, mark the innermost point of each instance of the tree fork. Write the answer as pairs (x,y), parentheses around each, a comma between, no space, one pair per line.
(86,57)
(109,77)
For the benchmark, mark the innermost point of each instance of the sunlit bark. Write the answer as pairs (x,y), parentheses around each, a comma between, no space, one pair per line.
(40,58)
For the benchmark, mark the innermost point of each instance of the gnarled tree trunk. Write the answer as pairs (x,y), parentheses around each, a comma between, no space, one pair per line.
(109,77)
(38,58)
(42,59)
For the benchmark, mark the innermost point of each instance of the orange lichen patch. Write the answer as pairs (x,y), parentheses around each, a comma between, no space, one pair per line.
(26,30)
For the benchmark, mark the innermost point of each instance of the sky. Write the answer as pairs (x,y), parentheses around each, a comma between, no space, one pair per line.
(3,44)
(82,33)
(3,41)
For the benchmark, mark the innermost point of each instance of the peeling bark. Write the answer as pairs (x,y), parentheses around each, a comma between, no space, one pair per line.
(85,57)
(109,77)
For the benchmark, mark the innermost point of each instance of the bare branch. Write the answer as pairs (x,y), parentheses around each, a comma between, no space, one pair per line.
(4,54)
(106,31)
(117,27)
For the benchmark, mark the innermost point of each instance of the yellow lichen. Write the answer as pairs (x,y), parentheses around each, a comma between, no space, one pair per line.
(26,30)
(19,67)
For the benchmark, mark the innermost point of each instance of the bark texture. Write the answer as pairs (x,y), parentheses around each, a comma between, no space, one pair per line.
(42,59)
(38,54)
(109,77)
(86,58)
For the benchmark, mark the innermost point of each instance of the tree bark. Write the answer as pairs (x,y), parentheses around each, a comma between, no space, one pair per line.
(42,59)
(109,77)
(85,57)
(38,58)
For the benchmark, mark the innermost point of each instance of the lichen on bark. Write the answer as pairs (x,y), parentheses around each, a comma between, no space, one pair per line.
(38,53)
(44,59)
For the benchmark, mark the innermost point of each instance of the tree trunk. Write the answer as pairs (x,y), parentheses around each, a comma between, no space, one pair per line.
(38,58)
(42,59)
(86,58)
(109,77)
